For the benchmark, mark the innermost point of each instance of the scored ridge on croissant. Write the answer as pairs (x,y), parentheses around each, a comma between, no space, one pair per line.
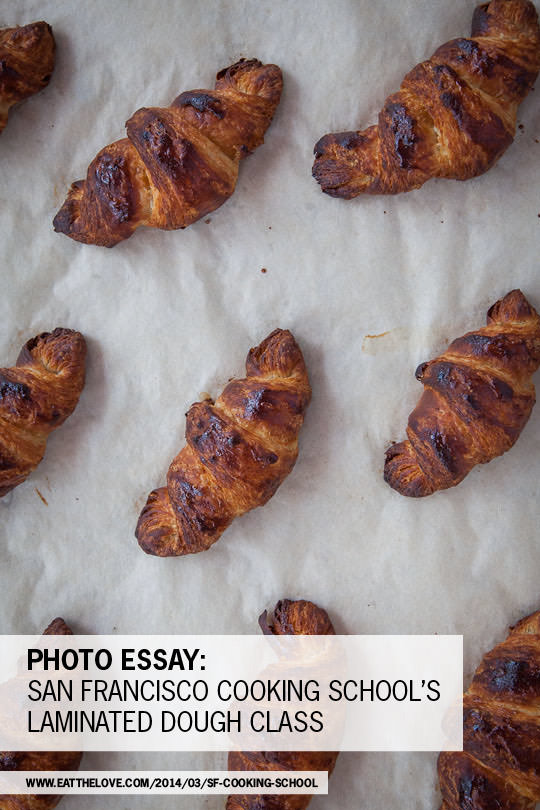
(298,617)
(38,760)
(178,163)
(36,396)
(478,396)
(26,63)
(239,450)
(499,766)
(454,115)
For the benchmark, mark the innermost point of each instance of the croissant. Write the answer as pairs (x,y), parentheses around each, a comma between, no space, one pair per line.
(454,115)
(499,766)
(239,450)
(478,397)
(26,63)
(177,163)
(38,760)
(293,618)
(36,396)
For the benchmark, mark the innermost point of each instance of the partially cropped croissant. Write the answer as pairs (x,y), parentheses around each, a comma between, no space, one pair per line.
(36,396)
(453,117)
(239,451)
(177,163)
(26,63)
(478,397)
(292,618)
(38,760)
(499,767)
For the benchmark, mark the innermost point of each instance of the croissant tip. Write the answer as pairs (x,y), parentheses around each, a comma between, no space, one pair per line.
(58,627)
(339,163)
(402,472)
(264,624)
(157,530)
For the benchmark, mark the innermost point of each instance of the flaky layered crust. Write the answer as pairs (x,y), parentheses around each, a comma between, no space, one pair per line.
(36,396)
(177,163)
(38,760)
(478,396)
(453,117)
(26,63)
(239,450)
(290,618)
(500,763)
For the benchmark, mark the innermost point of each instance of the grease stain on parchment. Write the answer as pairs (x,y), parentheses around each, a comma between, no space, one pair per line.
(394,340)
(389,341)
(41,496)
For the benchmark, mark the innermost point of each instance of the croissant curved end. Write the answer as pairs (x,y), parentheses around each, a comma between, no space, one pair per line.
(252,77)
(278,353)
(343,163)
(61,351)
(33,47)
(157,528)
(403,473)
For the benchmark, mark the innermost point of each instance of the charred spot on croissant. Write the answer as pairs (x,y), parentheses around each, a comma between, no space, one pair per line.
(419,373)
(169,155)
(479,60)
(9,760)
(113,185)
(469,789)
(13,389)
(439,443)
(7,462)
(201,102)
(402,126)
(503,390)
(7,72)
(516,677)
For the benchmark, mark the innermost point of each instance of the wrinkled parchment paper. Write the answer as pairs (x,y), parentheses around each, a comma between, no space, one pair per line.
(370,289)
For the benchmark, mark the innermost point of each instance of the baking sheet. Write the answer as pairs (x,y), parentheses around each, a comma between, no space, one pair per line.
(168,315)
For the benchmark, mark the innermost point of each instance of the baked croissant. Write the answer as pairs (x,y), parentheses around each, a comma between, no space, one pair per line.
(477,399)
(36,396)
(38,760)
(292,618)
(26,63)
(177,163)
(239,450)
(453,117)
(499,766)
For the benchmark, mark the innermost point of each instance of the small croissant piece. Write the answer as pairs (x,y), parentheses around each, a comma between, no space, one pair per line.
(177,163)
(290,618)
(478,397)
(240,449)
(26,63)
(499,766)
(38,760)
(453,117)
(36,396)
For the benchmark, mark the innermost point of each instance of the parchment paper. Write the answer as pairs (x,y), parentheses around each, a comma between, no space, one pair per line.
(168,315)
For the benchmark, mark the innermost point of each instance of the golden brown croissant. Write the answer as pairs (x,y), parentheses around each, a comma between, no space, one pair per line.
(239,450)
(36,396)
(177,163)
(500,763)
(477,399)
(38,760)
(453,117)
(292,618)
(26,63)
